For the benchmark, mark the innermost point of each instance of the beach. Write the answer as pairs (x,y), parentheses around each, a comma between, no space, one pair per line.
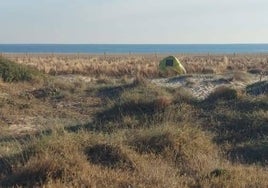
(117,120)
(134,94)
(205,71)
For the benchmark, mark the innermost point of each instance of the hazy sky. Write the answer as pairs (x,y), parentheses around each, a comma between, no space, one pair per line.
(134,21)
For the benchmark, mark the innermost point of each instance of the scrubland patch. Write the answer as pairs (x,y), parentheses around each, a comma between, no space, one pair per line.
(128,132)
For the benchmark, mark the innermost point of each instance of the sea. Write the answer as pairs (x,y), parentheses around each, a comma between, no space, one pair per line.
(134,48)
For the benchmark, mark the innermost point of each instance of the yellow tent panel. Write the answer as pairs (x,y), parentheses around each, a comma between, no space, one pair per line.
(171,63)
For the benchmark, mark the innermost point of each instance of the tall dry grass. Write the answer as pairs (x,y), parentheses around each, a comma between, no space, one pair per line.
(145,65)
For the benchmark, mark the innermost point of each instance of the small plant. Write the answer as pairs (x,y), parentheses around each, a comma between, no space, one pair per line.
(139,80)
(257,88)
(108,156)
(152,143)
(12,72)
(224,93)
(46,92)
(241,76)
(218,172)
(206,70)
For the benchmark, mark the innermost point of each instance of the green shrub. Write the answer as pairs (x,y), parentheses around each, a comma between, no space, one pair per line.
(13,72)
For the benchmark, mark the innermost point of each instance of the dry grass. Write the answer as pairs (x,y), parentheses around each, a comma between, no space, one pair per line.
(222,93)
(144,65)
(129,133)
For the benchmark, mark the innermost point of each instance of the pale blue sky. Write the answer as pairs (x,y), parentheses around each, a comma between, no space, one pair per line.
(133,21)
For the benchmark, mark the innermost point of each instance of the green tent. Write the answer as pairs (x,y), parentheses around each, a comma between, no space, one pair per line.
(171,64)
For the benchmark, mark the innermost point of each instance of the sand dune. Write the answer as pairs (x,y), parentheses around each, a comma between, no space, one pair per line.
(200,86)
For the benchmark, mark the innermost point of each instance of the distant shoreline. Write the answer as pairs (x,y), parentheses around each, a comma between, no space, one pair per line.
(128,49)
(80,55)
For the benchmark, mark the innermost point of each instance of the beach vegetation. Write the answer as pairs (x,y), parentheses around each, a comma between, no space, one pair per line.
(118,129)
(13,72)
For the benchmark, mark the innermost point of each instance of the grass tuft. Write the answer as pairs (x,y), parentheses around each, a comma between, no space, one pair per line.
(222,93)
(148,143)
(108,156)
(258,88)
(35,173)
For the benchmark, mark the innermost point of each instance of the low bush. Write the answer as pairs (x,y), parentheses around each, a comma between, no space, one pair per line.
(241,76)
(13,72)
(108,156)
(34,174)
(152,143)
(255,71)
(185,146)
(223,93)
(208,71)
(258,88)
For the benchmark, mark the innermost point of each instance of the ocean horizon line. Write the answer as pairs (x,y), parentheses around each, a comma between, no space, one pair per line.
(134,48)
(261,43)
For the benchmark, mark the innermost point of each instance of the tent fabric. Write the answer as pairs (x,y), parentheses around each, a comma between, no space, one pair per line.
(171,63)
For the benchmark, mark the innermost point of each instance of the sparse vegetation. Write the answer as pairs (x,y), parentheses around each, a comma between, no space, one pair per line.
(108,131)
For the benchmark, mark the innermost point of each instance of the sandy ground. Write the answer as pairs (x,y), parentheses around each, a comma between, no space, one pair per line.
(201,85)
